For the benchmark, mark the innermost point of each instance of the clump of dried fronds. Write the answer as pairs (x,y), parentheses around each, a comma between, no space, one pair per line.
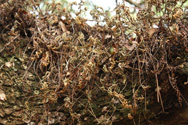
(95,73)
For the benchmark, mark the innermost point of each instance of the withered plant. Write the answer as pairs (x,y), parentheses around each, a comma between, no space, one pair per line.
(62,70)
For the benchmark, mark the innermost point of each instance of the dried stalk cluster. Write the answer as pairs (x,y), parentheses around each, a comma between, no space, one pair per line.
(61,70)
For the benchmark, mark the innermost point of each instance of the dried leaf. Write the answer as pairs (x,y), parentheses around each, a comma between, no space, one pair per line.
(178,13)
(104,109)
(152,31)
(45,59)
(131,47)
(8,64)
(2,95)
(62,25)
(130,116)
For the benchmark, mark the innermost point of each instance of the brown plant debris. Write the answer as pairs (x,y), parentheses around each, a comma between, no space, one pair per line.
(57,69)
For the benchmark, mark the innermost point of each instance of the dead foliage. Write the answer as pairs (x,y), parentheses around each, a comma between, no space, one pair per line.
(61,70)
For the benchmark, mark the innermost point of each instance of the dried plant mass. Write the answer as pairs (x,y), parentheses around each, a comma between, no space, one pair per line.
(57,69)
